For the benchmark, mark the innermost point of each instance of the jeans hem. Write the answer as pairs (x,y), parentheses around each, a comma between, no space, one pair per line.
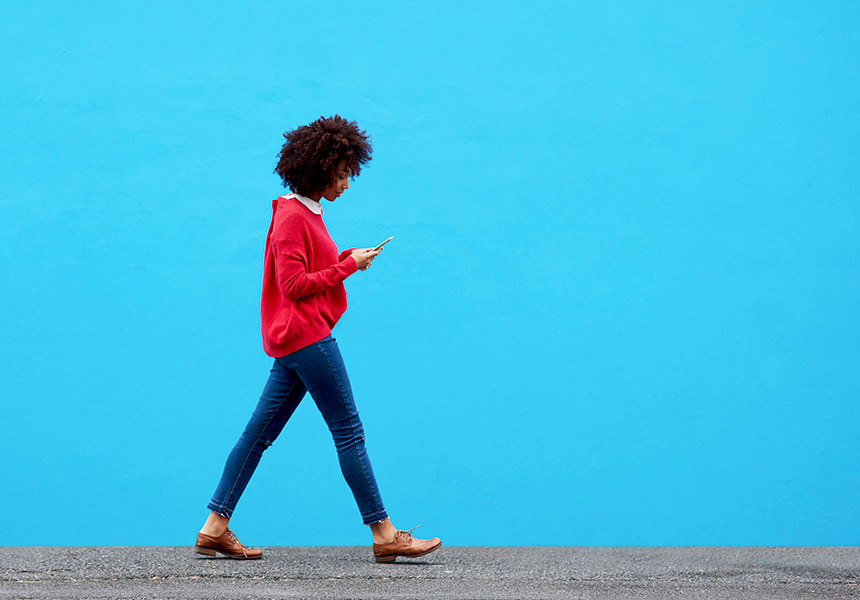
(227,514)
(376,518)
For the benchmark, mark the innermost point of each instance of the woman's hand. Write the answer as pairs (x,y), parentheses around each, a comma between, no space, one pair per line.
(364,256)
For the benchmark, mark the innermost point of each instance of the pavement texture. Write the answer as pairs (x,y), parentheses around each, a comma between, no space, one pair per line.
(473,572)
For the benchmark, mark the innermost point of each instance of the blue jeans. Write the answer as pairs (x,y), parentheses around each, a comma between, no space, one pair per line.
(317,369)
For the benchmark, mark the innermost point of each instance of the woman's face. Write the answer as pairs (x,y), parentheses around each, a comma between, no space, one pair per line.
(340,183)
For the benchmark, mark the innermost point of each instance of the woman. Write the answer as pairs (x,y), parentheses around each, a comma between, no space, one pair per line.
(303,297)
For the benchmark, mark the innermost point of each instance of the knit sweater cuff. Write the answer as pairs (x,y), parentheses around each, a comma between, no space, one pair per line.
(350,264)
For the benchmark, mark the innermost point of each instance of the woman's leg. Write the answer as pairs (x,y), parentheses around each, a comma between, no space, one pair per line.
(215,525)
(321,369)
(383,532)
(282,394)
(324,375)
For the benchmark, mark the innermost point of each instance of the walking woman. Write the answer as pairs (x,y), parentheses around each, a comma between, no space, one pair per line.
(303,297)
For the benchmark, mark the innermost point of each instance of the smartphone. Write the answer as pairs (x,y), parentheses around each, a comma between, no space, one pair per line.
(381,244)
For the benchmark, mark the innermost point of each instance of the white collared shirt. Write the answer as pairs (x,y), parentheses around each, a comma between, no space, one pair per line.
(313,205)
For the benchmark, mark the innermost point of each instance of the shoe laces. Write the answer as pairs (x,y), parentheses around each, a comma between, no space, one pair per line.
(408,532)
(233,538)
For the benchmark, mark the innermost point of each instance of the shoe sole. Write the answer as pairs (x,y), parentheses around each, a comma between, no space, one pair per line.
(390,558)
(212,552)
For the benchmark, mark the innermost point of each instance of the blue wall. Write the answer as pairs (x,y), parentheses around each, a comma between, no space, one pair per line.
(621,304)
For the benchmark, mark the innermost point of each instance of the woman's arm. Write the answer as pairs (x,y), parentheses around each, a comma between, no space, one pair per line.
(297,282)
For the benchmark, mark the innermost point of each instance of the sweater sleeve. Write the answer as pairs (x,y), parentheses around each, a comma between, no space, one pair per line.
(297,282)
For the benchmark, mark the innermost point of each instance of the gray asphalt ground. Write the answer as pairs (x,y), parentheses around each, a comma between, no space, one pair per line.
(486,573)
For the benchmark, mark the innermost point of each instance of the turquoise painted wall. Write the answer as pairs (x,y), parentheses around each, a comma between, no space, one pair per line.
(620,308)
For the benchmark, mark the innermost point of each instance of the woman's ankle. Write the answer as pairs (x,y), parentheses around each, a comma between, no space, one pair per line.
(215,525)
(383,532)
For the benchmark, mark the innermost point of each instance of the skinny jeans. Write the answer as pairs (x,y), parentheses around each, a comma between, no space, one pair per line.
(317,369)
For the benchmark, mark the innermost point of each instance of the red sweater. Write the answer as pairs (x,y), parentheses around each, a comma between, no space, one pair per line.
(303,294)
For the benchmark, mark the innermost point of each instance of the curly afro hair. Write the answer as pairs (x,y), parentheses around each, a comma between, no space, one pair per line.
(310,156)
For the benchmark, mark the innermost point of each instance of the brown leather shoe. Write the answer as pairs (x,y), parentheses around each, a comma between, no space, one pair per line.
(404,545)
(227,544)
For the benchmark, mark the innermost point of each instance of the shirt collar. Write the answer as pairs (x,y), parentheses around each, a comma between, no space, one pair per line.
(313,205)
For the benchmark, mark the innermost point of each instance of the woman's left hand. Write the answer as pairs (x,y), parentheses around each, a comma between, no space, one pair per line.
(364,256)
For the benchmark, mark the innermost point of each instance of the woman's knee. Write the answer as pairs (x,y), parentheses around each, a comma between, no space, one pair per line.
(349,440)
